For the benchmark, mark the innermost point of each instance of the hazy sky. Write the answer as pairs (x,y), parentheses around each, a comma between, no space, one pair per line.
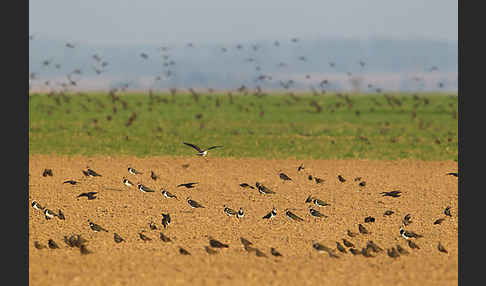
(160,21)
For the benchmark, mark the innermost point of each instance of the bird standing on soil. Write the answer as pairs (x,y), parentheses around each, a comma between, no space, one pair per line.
(168,195)
(228,211)
(316,213)
(133,171)
(292,216)
(271,214)
(144,189)
(95,227)
(193,204)
(201,152)
(117,238)
(37,206)
(127,182)
(165,220)
(284,177)
(263,190)
(49,214)
(240,214)
(394,194)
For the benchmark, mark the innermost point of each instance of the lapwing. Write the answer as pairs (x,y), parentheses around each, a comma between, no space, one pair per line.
(49,214)
(133,171)
(320,203)
(193,204)
(362,229)
(72,182)
(201,152)
(74,240)
(271,214)
(275,252)
(321,248)
(447,211)
(310,178)
(84,250)
(292,216)
(117,238)
(168,195)
(183,251)
(37,206)
(366,252)
(245,185)
(402,250)
(127,182)
(394,194)
(246,243)
(258,252)
(301,167)
(407,220)
(187,185)
(144,189)
(52,244)
(369,219)
(60,215)
(357,179)
(362,184)
(316,213)
(318,180)
(152,226)
(284,177)
(143,236)
(441,248)
(91,173)
(309,199)
(38,245)
(388,213)
(240,214)
(262,189)
(217,244)
(210,250)
(439,221)
(347,243)
(89,195)
(153,176)
(165,220)
(96,227)
(340,247)
(351,234)
(373,246)
(408,234)
(392,252)
(413,245)
(228,211)
(164,237)
(47,172)
(341,179)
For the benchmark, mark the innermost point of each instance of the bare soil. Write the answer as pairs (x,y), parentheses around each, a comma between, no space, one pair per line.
(426,192)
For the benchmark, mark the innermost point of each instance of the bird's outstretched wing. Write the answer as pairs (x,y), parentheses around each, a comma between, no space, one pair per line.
(213,147)
(193,146)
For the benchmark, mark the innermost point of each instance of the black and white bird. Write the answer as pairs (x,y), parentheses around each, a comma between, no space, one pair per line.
(133,171)
(240,214)
(153,176)
(49,214)
(60,215)
(187,185)
(274,252)
(362,229)
(271,214)
(393,194)
(320,203)
(284,177)
(409,234)
(117,238)
(168,195)
(89,195)
(127,182)
(37,206)
(263,190)
(193,204)
(52,244)
(72,182)
(96,227)
(301,167)
(183,251)
(229,211)
(441,248)
(165,220)
(447,211)
(407,219)
(201,152)
(144,189)
(245,185)
(292,216)
(316,213)
(91,173)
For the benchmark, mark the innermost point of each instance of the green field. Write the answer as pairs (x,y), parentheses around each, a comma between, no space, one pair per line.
(302,126)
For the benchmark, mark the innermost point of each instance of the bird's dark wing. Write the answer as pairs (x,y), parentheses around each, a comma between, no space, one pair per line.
(213,147)
(193,146)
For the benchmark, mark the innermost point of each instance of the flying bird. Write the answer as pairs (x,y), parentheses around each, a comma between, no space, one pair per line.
(187,185)
(89,195)
(394,194)
(245,185)
(201,152)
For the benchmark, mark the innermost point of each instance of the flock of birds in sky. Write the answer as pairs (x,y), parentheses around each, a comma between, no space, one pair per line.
(260,77)
(371,249)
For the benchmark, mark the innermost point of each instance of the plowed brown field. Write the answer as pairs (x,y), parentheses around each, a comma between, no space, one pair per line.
(426,192)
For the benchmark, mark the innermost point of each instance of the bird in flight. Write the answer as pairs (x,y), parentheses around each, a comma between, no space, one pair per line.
(201,152)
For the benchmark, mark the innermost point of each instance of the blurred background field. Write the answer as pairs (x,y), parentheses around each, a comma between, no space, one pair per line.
(247,123)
